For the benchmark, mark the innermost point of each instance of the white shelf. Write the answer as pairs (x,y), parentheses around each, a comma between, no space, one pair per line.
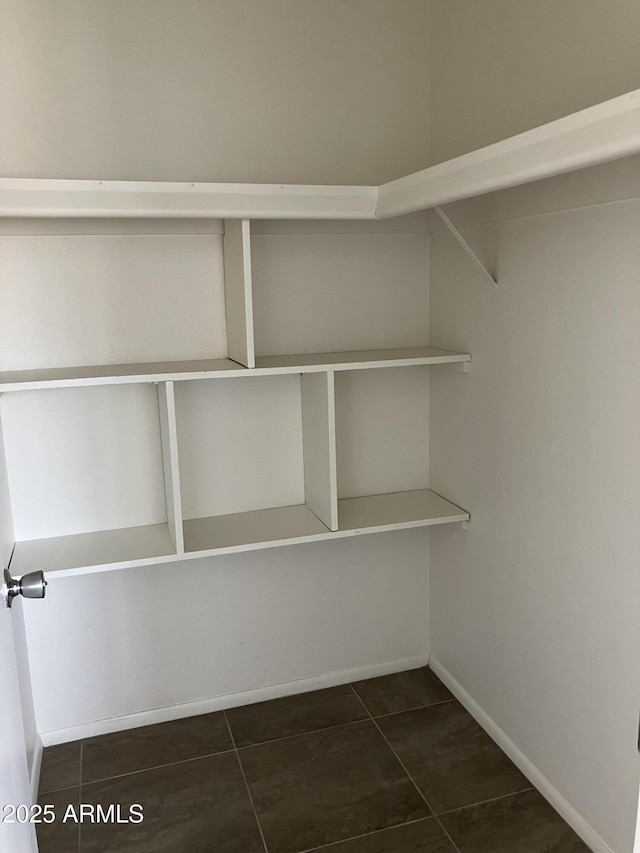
(359,360)
(272,528)
(109,550)
(118,374)
(168,199)
(246,531)
(606,131)
(85,553)
(375,513)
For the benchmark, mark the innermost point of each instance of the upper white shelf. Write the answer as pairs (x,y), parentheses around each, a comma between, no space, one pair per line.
(358,360)
(118,374)
(606,131)
(171,200)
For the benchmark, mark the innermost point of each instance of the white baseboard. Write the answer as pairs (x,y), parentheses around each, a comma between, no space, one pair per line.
(34,770)
(228,700)
(575,820)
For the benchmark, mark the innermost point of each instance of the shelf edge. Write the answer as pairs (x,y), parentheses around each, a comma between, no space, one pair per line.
(29,197)
(230,373)
(256,546)
(607,131)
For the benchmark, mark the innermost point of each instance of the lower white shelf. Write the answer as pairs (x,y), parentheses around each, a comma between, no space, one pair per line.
(375,513)
(94,552)
(263,528)
(107,550)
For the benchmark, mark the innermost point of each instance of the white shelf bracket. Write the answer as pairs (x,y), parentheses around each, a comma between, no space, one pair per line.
(465,525)
(476,260)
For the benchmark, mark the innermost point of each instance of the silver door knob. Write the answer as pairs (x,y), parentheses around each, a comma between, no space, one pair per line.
(32,585)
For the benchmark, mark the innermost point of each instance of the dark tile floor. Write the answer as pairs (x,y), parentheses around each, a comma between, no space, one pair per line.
(389,765)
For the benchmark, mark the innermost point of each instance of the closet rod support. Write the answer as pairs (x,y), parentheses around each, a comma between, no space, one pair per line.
(458,236)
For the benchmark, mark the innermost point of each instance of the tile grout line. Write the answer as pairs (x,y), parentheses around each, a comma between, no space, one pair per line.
(413,781)
(157,767)
(57,790)
(414,708)
(490,800)
(246,784)
(364,835)
(302,734)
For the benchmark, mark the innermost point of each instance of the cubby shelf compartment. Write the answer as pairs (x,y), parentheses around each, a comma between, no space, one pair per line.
(228,534)
(418,508)
(120,374)
(85,553)
(91,476)
(246,531)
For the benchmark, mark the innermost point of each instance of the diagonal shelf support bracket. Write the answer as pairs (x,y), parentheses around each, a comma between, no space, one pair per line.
(476,260)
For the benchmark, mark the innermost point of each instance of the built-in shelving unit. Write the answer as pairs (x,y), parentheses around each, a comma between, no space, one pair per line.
(113,466)
(246,442)
(294,443)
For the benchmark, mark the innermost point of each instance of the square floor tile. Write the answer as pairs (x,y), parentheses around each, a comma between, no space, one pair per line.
(317,788)
(153,746)
(424,836)
(522,823)
(453,761)
(198,806)
(294,715)
(60,767)
(62,835)
(401,691)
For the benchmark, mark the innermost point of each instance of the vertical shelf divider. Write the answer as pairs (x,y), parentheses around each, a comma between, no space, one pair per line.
(238,291)
(169,437)
(319,446)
